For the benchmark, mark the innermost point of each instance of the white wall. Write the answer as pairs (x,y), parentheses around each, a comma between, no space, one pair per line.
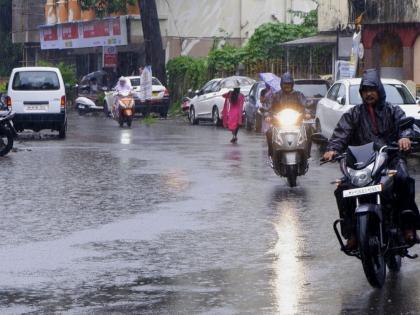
(331,13)
(238,18)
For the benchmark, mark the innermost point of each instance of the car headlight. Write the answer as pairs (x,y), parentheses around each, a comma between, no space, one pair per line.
(361,178)
(288,117)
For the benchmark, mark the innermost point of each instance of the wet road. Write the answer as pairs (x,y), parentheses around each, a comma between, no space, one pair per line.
(173,219)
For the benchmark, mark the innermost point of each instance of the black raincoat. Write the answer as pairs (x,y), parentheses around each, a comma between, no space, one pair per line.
(356,127)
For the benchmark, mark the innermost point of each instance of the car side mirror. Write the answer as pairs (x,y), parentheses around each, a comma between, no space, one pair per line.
(418,100)
(341,100)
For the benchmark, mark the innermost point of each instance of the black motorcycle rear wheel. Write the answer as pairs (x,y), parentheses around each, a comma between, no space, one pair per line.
(6,140)
(371,255)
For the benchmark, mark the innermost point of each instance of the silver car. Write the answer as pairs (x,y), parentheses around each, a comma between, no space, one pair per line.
(208,102)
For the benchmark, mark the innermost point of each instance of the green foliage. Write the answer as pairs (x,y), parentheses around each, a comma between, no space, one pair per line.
(226,58)
(68,72)
(185,73)
(264,43)
(175,109)
(102,7)
(3,87)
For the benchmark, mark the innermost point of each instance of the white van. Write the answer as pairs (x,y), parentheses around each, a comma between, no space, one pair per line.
(37,96)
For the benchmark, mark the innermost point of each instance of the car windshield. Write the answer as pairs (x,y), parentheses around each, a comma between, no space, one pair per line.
(395,94)
(136,82)
(36,81)
(312,90)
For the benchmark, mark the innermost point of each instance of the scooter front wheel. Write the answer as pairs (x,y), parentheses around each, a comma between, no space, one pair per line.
(291,174)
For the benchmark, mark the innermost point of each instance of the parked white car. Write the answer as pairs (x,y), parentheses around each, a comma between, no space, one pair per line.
(344,94)
(208,102)
(158,104)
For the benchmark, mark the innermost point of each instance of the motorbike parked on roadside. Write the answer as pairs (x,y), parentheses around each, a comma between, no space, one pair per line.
(378,222)
(290,145)
(123,110)
(7,132)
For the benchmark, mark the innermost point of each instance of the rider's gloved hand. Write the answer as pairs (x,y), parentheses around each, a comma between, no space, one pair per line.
(404,144)
(328,156)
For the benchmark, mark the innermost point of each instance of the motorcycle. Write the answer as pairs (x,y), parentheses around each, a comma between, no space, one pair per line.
(290,145)
(123,110)
(7,132)
(378,224)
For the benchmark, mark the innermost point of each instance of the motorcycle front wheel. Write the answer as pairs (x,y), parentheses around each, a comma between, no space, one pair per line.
(291,174)
(373,260)
(6,140)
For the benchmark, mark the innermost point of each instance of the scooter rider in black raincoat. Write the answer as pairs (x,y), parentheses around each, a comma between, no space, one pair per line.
(287,97)
(376,121)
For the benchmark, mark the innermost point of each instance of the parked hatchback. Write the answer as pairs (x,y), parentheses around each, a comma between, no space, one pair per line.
(209,101)
(37,96)
(344,94)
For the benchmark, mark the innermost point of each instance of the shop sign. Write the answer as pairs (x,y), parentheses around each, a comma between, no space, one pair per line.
(97,33)
(110,56)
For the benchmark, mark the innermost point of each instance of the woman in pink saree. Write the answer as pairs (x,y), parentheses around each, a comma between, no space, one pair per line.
(232,112)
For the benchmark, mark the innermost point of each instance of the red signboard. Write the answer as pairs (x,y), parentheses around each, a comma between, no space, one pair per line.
(110,56)
(50,34)
(96,29)
(116,27)
(70,31)
(107,32)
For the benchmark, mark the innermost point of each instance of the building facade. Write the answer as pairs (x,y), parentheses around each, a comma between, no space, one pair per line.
(390,33)
(188,27)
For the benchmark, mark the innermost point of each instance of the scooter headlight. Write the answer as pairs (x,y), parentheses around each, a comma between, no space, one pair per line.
(361,178)
(288,117)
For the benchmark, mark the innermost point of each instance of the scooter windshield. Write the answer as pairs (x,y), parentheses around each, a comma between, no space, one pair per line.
(358,157)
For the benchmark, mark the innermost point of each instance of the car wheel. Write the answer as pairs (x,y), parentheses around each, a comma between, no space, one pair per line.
(215,116)
(62,133)
(193,119)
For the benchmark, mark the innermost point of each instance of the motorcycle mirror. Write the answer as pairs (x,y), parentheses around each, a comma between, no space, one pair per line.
(319,138)
(406,122)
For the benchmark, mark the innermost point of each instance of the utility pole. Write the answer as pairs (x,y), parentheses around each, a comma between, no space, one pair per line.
(155,55)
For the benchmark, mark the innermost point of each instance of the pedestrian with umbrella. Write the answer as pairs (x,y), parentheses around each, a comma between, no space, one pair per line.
(232,111)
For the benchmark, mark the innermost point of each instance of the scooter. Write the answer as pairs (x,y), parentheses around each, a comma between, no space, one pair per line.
(85,104)
(7,132)
(123,110)
(290,145)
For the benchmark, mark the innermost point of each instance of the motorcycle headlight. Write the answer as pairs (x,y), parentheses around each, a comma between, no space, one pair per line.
(361,178)
(288,117)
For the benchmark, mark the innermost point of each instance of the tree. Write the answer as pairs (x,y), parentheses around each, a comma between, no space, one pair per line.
(10,52)
(155,55)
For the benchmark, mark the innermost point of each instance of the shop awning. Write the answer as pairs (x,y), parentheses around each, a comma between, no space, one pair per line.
(320,39)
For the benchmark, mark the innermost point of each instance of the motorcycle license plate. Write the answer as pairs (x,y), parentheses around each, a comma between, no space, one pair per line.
(362,191)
